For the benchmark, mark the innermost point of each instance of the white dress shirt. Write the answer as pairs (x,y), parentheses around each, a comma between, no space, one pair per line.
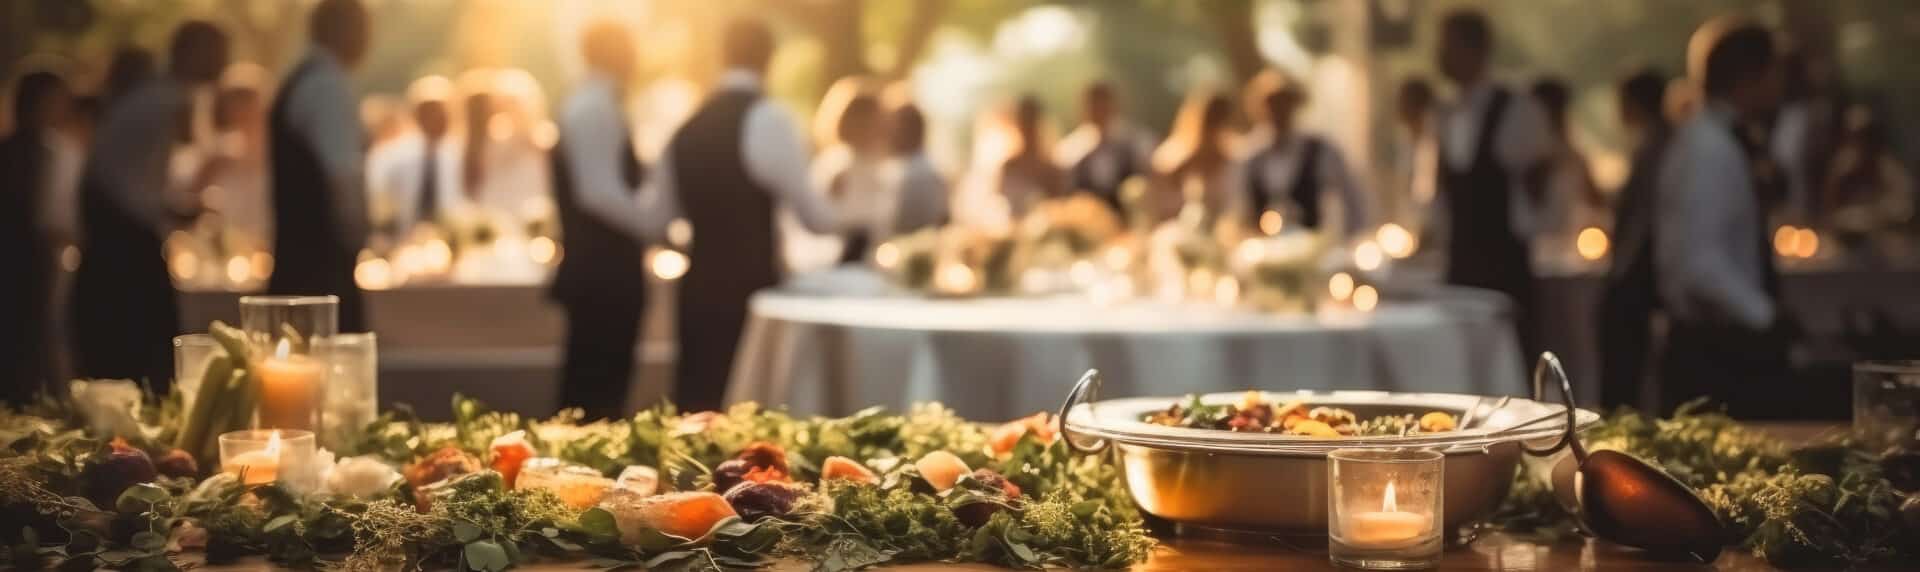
(596,145)
(60,197)
(1707,238)
(322,109)
(1522,139)
(132,157)
(394,175)
(1342,197)
(775,157)
(921,194)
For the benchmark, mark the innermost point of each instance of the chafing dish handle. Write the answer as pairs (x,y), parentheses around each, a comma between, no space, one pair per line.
(1550,364)
(1086,390)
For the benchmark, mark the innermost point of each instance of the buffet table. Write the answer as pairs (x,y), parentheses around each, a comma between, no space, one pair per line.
(997,358)
(1491,552)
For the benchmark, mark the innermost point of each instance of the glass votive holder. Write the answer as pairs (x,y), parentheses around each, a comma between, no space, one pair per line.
(1383,508)
(290,338)
(1886,404)
(191,352)
(351,400)
(260,456)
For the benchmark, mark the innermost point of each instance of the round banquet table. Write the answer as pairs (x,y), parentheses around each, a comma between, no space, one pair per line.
(834,350)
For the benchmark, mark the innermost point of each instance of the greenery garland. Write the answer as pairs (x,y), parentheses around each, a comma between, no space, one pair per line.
(1826,505)
(1073,513)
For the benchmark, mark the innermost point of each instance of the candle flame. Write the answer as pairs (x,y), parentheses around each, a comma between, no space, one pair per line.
(281,351)
(273,441)
(1387,502)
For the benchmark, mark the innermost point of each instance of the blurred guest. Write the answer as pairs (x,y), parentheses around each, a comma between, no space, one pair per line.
(851,166)
(1029,175)
(1570,201)
(1105,149)
(39,102)
(130,67)
(919,186)
(1628,300)
(124,309)
(601,283)
(1299,175)
(1493,143)
(1712,260)
(315,149)
(1808,129)
(239,194)
(413,175)
(1195,165)
(1416,153)
(1867,189)
(505,173)
(724,170)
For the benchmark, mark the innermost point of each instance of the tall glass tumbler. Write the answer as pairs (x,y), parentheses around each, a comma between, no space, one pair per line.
(191,352)
(1886,404)
(290,339)
(353,390)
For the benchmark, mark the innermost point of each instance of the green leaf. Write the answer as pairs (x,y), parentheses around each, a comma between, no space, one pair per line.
(652,541)
(598,522)
(82,542)
(279,522)
(149,541)
(156,563)
(465,532)
(485,556)
(141,498)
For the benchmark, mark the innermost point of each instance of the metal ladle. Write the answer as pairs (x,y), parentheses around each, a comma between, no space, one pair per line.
(1624,500)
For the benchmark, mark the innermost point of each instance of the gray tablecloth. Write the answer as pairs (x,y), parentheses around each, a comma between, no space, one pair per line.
(995,358)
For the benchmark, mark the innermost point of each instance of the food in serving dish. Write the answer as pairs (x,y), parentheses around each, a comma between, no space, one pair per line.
(1254,413)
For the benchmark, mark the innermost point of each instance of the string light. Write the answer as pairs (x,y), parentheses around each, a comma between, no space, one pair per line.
(1367,256)
(1395,240)
(669,265)
(542,250)
(1271,223)
(1591,244)
(1365,298)
(1340,286)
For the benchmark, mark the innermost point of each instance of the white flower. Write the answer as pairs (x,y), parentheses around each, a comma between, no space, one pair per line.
(359,477)
(110,406)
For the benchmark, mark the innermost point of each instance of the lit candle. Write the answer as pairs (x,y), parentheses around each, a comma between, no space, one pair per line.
(1390,527)
(289,389)
(256,467)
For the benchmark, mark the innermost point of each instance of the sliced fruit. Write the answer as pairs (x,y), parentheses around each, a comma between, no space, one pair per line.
(683,514)
(1313,428)
(941,469)
(1437,421)
(846,469)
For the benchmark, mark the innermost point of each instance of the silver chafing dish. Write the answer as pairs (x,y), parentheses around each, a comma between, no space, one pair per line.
(1277,484)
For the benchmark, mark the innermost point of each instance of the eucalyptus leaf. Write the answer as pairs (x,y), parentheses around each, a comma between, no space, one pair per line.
(465,532)
(485,556)
(279,522)
(149,541)
(140,498)
(598,522)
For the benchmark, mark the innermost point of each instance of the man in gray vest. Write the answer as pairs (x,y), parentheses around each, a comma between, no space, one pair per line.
(723,171)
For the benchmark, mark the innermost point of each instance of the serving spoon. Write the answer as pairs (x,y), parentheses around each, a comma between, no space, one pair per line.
(1624,500)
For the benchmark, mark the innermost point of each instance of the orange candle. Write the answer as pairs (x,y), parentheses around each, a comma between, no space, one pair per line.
(289,389)
(1388,527)
(257,467)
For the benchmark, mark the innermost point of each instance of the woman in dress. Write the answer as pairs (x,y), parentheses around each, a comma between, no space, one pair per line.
(1195,164)
(1029,175)
(850,131)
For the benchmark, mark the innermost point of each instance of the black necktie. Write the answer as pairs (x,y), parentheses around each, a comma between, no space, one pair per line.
(429,175)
